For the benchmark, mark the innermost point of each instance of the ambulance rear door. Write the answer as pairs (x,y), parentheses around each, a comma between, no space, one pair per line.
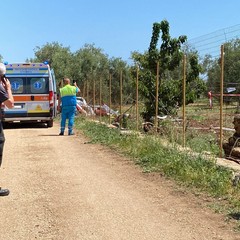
(31,97)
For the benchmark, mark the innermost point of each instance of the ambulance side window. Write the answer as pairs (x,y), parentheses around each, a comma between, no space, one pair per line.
(38,85)
(17,85)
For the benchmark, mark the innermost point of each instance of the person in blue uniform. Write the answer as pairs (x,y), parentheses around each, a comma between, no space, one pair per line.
(68,103)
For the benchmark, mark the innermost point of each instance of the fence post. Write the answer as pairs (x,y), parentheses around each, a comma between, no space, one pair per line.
(87,86)
(110,95)
(121,82)
(137,99)
(156,107)
(221,99)
(100,98)
(94,96)
(184,101)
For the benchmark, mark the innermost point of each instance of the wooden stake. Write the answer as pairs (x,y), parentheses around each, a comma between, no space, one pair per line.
(184,101)
(221,98)
(110,96)
(156,97)
(121,98)
(137,99)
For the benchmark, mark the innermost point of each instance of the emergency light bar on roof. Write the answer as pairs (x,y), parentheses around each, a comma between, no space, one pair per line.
(27,69)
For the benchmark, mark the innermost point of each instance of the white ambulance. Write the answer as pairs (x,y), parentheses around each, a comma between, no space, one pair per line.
(34,92)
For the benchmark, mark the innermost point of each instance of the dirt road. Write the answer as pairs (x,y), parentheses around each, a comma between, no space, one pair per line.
(62,188)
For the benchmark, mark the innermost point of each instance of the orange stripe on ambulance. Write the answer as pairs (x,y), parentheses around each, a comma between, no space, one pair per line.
(34,92)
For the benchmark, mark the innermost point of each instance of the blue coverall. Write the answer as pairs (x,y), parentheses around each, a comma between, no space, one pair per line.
(69,102)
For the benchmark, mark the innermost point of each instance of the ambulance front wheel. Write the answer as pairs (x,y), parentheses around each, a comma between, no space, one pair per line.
(50,123)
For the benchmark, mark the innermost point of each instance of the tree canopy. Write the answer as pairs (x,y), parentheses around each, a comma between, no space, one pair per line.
(169,56)
(89,66)
(231,68)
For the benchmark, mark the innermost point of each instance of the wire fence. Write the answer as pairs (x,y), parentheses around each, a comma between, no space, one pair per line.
(206,116)
(222,114)
(209,44)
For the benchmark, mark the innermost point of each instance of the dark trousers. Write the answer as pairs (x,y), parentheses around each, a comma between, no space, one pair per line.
(2,141)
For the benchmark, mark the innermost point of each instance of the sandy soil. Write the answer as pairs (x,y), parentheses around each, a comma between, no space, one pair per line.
(64,188)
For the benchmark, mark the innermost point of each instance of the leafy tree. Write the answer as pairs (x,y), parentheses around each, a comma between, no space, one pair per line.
(88,66)
(169,56)
(231,68)
(91,66)
(59,57)
(118,69)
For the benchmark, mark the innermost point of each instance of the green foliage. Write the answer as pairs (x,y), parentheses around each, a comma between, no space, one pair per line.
(203,143)
(88,66)
(169,56)
(59,57)
(117,66)
(98,133)
(149,152)
(231,68)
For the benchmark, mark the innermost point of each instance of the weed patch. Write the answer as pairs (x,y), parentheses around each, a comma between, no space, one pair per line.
(192,170)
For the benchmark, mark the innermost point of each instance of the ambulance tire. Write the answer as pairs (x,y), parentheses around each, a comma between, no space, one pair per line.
(4,124)
(50,123)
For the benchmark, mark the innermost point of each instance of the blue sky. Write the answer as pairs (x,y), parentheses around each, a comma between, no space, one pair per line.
(118,27)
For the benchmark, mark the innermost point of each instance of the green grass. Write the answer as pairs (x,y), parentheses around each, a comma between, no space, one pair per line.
(187,169)
(203,143)
(152,155)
